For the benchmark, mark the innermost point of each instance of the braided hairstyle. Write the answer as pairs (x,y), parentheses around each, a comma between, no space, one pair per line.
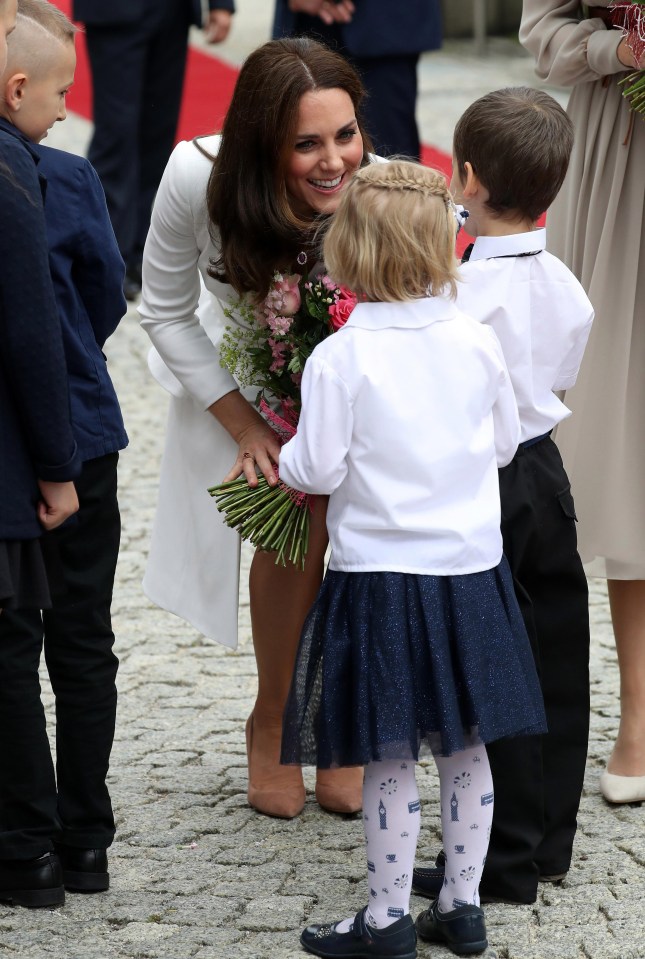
(393,236)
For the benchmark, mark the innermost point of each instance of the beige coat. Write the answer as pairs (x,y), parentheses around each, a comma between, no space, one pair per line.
(597,226)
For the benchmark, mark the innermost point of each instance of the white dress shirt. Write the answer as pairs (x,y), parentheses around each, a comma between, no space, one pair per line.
(408,411)
(542,317)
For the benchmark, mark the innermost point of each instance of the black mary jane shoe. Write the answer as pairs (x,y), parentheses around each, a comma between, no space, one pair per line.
(34,883)
(84,870)
(463,929)
(398,941)
(428,880)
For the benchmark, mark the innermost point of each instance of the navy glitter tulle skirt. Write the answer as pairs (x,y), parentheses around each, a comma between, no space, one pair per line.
(390,663)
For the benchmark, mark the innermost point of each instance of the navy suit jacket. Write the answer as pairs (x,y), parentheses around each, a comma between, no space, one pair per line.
(87,272)
(36,439)
(379,28)
(115,12)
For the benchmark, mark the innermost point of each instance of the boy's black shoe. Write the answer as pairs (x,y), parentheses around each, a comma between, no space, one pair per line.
(398,941)
(428,880)
(84,870)
(33,883)
(463,930)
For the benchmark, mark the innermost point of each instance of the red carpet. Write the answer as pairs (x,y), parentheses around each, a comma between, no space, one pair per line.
(207,93)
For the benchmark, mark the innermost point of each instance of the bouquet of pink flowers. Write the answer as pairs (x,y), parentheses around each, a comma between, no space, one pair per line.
(268,347)
(630,18)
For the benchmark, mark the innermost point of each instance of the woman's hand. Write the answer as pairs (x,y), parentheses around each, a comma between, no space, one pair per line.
(257,441)
(59,501)
(627,58)
(258,447)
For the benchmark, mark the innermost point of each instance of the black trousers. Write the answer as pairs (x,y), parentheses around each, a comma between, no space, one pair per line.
(538,780)
(137,76)
(391,87)
(72,804)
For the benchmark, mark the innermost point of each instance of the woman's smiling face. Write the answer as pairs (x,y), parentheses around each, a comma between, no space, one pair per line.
(328,148)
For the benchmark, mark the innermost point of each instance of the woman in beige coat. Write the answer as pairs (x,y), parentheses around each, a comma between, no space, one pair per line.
(597,226)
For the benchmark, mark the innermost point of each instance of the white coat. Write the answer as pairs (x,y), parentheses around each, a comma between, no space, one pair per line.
(193,566)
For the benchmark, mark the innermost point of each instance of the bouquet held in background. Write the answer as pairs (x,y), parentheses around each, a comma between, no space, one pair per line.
(268,347)
(630,18)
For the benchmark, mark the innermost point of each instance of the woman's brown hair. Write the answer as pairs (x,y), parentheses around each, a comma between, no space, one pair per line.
(247,195)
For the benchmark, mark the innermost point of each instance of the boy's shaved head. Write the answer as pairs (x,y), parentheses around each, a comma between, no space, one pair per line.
(41,29)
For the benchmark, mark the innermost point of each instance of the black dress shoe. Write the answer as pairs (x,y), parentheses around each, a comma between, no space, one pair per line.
(463,930)
(32,882)
(398,941)
(84,870)
(428,880)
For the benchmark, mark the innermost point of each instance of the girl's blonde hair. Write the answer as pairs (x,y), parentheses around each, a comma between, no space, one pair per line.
(393,235)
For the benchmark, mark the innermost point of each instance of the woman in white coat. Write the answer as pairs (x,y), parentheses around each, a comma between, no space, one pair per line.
(230,211)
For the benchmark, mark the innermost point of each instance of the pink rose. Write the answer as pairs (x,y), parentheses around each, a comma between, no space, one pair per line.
(289,289)
(340,310)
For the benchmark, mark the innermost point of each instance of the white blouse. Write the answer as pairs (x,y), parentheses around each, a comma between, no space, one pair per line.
(408,411)
(541,315)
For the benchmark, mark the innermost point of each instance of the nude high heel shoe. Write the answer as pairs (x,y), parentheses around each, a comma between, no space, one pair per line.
(340,790)
(622,789)
(274,790)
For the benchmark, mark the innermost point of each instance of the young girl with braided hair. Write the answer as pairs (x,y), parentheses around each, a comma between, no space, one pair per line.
(415,640)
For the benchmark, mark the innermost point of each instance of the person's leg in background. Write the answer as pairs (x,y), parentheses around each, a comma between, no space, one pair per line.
(390,104)
(163,83)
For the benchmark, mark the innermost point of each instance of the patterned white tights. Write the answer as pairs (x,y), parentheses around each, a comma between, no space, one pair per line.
(391,815)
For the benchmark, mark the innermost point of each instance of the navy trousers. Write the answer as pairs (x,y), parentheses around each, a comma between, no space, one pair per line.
(538,779)
(137,77)
(72,804)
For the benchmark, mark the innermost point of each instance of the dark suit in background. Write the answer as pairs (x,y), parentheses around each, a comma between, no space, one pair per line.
(383,41)
(137,51)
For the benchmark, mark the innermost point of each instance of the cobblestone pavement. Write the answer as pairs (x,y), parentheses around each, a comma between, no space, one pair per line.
(196,874)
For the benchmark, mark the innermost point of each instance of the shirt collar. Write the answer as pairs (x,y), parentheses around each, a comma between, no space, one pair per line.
(487,247)
(415,313)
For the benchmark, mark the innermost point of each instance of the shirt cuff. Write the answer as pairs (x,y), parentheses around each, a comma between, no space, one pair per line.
(601,52)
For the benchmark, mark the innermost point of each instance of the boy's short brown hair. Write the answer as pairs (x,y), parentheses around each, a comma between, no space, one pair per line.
(518,141)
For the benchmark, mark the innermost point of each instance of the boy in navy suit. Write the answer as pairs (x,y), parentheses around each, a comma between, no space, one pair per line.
(58,826)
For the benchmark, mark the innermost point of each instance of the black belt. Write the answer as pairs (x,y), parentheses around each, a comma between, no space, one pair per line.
(536,439)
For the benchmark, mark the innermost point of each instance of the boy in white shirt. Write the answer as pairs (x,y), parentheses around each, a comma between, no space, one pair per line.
(510,155)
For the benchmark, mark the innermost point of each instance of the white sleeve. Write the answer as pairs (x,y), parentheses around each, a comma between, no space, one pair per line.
(315,459)
(568,372)
(506,418)
(171,281)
